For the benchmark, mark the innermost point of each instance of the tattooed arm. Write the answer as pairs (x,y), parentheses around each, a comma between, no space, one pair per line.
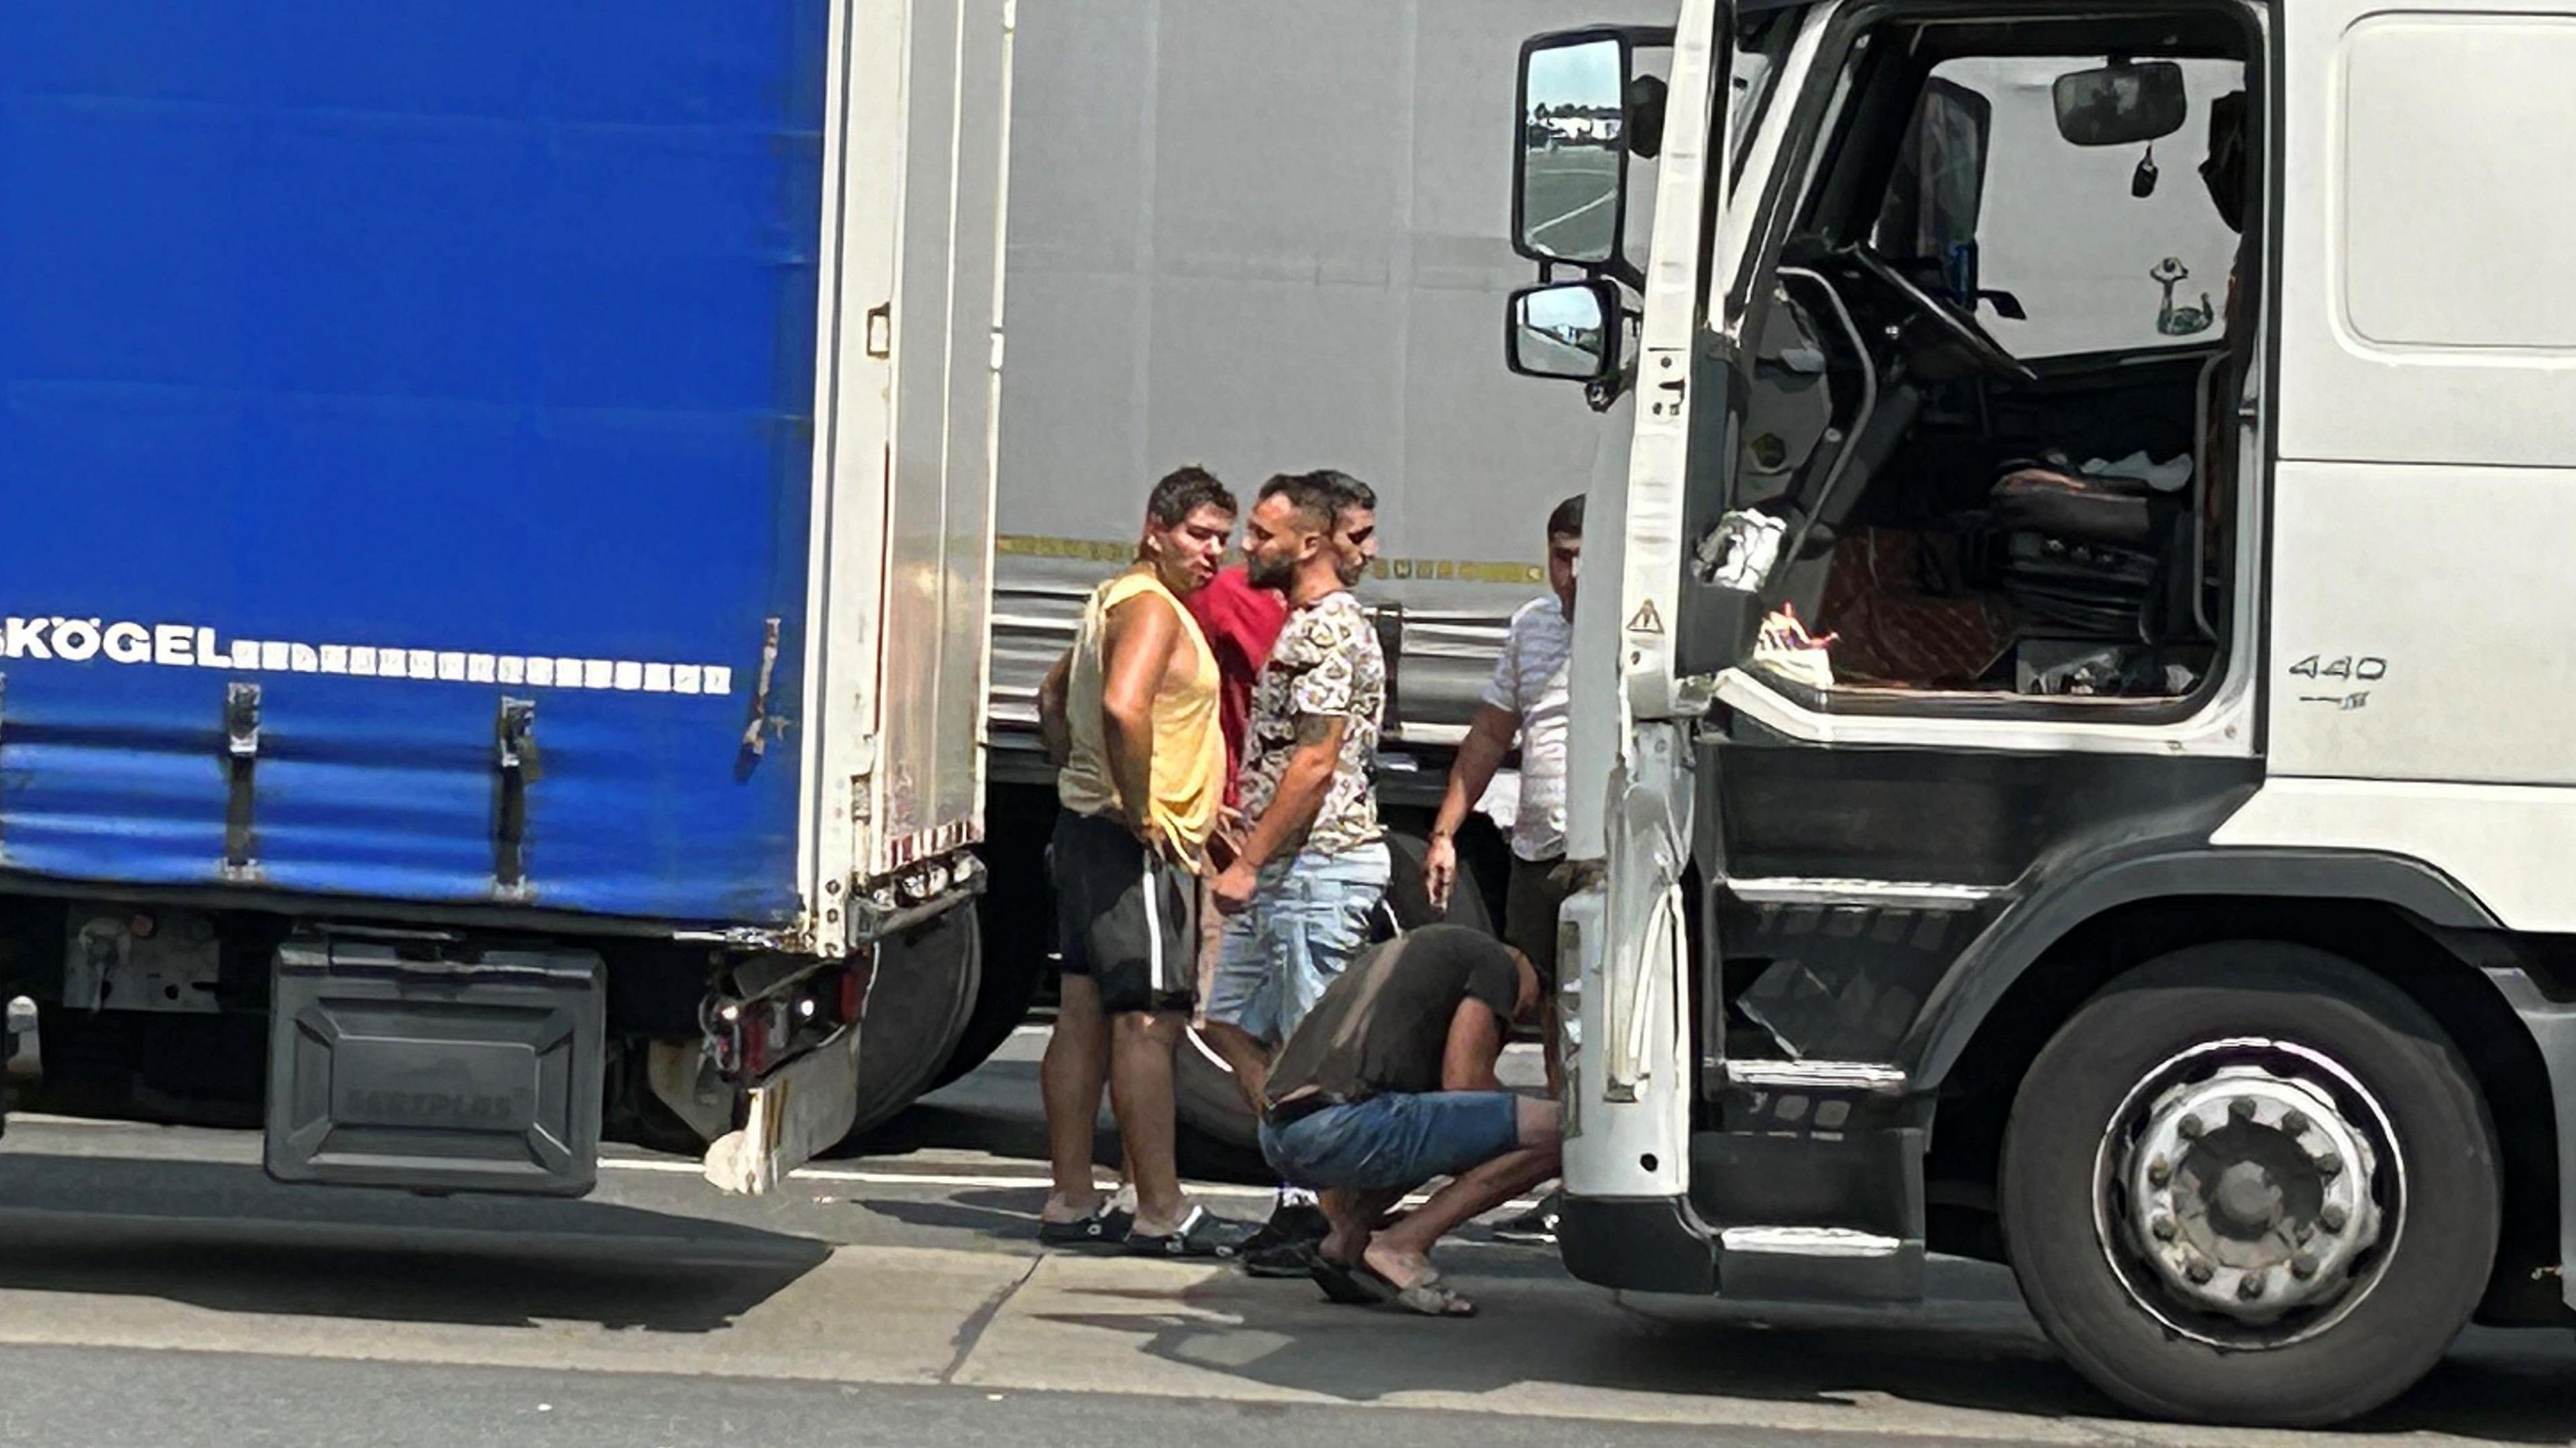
(1293,806)
(1313,663)
(1302,786)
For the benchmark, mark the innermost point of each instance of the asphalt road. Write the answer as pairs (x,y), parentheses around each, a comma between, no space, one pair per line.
(1569,197)
(155,1289)
(1549,357)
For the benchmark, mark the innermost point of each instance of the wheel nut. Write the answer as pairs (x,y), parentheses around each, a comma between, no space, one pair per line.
(2294,1122)
(2163,1227)
(2242,1108)
(2303,1266)
(2250,1286)
(2199,1271)
(2159,1171)
(2190,1128)
(2333,1217)
(2327,1164)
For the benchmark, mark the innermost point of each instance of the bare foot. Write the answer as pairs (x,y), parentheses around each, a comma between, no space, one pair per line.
(1414,1284)
(1342,1245)
(1062,1208)
(1404,1269)
(1164,1226)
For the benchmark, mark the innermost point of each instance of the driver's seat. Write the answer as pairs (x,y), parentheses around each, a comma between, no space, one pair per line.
(2084,553)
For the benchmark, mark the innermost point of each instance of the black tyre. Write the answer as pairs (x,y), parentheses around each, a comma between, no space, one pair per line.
(1015,964)
(1204,1098)
(2251,1183)
(1411,903)
(634,1114)
(925,987)
(1017,910)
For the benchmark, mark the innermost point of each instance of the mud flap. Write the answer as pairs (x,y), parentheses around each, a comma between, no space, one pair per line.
(804,1108)
(22,1060)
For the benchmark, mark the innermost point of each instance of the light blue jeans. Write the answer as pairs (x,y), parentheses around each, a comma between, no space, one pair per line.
(1393,1143)
(1309,916)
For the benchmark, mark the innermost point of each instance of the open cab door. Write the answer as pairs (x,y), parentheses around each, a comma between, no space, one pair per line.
(1586,115)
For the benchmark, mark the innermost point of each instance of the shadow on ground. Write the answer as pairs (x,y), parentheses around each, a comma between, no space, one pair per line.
(999,1215)
(1973,1348)
(224,1237)
(996,1112)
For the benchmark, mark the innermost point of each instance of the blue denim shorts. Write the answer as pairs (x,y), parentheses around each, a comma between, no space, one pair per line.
(1393,1143)
(1309,917)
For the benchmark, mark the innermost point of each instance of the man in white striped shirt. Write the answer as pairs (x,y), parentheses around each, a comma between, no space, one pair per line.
(1525,702)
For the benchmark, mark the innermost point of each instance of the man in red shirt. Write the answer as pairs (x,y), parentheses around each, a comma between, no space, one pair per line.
(1241,622)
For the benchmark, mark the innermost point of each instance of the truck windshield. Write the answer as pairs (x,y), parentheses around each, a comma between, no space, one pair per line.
(2107,249)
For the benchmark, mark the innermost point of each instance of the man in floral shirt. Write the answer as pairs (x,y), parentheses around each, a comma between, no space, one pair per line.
(1313,865)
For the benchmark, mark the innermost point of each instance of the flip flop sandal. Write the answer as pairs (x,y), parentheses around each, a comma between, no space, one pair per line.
(1343,1283)
(1425,1296)
(1203,1234)
(1104,1227)
(1280,1259)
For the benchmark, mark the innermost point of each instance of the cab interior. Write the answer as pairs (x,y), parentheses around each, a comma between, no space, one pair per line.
(1991,376)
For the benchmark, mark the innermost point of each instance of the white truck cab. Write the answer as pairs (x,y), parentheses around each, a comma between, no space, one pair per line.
(2083,771)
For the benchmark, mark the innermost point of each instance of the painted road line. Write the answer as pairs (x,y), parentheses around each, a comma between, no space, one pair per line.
(986,1181)
(967,1180)
(1553,223)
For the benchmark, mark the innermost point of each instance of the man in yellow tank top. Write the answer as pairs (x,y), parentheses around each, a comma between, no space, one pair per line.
(1130,714)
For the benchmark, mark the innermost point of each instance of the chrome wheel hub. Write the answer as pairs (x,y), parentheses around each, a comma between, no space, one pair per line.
(2248,1196)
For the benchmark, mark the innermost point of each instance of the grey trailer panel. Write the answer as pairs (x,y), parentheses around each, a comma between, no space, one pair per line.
(1270,238)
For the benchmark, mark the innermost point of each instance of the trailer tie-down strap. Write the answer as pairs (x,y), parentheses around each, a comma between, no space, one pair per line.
(241,759)
(514,762)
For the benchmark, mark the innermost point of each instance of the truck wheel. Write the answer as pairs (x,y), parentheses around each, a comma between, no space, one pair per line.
(2251,1183)
(1018,913)
(1015,962)
(925,987)
(634,1114)
(1412,904)
(1204,1098)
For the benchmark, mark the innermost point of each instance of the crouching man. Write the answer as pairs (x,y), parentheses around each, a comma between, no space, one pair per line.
(1389,1082)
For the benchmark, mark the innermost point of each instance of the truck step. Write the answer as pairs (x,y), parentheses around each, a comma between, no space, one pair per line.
(1817,1264)
(1809,1242)
(1817,894)
(1868,1077)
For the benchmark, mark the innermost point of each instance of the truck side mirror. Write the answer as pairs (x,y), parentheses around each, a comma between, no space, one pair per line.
(1569,190)
(1567,329)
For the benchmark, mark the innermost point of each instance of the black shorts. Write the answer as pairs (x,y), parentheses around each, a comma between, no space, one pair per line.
(1530,904)
(1124,917)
